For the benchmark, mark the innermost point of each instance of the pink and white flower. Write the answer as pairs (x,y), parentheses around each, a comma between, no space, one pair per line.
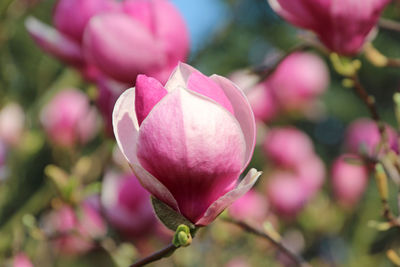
(189,141)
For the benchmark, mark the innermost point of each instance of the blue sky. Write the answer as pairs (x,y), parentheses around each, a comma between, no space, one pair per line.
(203,17)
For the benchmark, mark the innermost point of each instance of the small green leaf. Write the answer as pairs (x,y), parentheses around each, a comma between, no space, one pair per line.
(168,216)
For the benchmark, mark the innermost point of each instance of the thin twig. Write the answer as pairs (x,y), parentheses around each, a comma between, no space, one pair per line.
(370,103)
(296,259)
(165,252)
(264,71)
(388,24)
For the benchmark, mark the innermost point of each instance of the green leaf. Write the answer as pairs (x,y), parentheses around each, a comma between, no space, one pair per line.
(168,216)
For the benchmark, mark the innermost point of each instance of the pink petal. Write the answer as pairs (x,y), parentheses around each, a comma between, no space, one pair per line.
(54,42)
(125,125)
(71,16)
(149,92)
(194,147)
(243,113)
(223,202)
(170,28)
(201,84)
(122,47)
(179,76)
(155,187)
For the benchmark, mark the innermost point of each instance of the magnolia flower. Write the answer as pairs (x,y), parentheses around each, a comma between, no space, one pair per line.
(349,179)
(146,37)
(189,141)
(65,40)
(117,39)
(68,118)
(341,25)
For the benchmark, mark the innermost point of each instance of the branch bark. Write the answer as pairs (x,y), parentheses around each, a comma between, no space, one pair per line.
(296,259)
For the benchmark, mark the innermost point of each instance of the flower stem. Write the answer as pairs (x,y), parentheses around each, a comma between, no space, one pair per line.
(165,252)
(296,259)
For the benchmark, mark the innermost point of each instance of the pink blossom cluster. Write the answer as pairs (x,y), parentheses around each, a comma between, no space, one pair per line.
(298,172)
(349,171)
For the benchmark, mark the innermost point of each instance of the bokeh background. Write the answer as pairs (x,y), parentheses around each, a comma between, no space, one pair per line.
(225,36)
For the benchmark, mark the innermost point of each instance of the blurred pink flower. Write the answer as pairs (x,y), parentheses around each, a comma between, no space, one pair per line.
(65,40)
(75,231)
(22,260)
(288,146)
(68,118)
(127,206)
(364,134)
(349,180)
(118,39)
(189,141)
(252,207)
(12,121)
(311,173)
(298,80)
(286,194)
(147,37)
(341,25)
(261,99)
(71,16)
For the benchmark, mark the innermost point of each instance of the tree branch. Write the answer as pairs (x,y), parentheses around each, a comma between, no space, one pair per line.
(165,252)
(296,259)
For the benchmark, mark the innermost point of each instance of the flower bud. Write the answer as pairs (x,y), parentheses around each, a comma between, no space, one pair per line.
(311,173)
(349,179)
(287,146)
(71,16)
(298,80)
(68,119)
(342,26)
(252,207)
(189,141)
(363,134)
(260,96)
(286,194)
(147,37)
